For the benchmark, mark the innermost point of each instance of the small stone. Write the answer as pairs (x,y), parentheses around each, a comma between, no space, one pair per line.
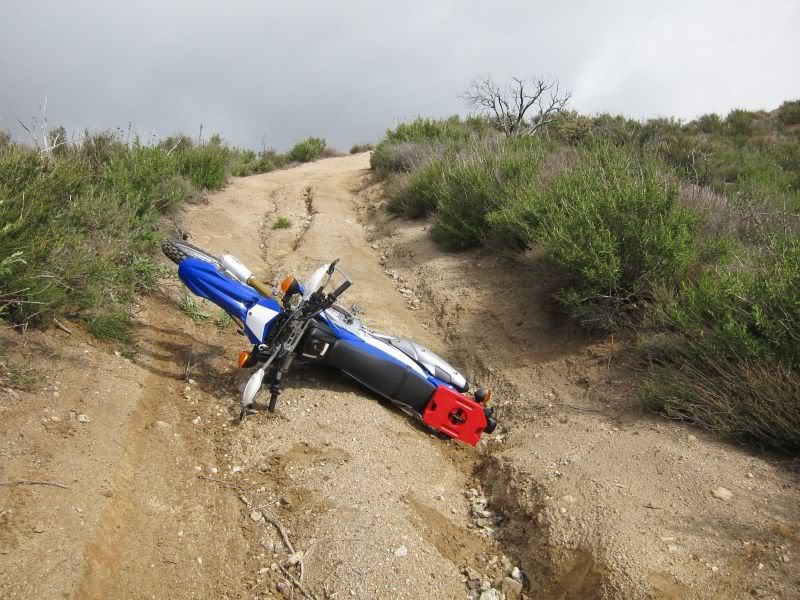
(722,493)
(401,551)
(750,475)
(760,566)
(236,469)
(569,499)
(256,516)
(486,585)
(516,574)
(199,561)
(490,594)
(38,528)
(213,470)
(295,558)
(672,547)
(196,420)
(691,438)
(785,558)
(714,569)
(83,418)
(511,588)
(284,588)
(562,510)
(505,563)
(117,353)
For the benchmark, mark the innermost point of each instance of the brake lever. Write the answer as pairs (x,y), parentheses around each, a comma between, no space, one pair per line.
(332,266)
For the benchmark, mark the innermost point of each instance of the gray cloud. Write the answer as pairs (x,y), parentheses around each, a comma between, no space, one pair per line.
(279,71)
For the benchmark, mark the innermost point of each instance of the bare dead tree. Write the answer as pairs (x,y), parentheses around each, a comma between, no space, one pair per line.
(519,108)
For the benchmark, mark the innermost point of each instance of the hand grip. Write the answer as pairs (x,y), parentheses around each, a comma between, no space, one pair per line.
(340,290)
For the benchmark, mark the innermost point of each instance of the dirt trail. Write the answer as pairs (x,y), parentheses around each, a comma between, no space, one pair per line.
(592,497)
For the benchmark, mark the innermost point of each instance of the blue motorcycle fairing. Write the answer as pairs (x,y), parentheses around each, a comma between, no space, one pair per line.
(238,300)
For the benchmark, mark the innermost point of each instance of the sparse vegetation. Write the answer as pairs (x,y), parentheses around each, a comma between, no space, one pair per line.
(192,307)
(686,235)
(222,320)
(18,375)
(282,223)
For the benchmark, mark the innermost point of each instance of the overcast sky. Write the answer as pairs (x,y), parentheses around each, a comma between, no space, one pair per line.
(347,70)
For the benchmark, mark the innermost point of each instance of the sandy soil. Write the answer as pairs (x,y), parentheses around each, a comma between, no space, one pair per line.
(587,496)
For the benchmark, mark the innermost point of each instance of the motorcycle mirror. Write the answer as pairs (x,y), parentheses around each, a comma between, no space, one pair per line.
(332,267)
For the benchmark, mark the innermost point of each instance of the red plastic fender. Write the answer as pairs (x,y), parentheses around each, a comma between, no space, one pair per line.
(456,415)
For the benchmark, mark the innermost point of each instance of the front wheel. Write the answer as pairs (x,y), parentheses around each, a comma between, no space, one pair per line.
(178,250)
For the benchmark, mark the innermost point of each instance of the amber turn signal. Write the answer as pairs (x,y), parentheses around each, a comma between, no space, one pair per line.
(244,358)
(286,284)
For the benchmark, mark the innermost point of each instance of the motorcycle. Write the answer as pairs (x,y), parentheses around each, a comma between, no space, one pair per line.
(307,322)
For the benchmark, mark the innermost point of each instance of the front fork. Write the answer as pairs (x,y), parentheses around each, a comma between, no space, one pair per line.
(275,381)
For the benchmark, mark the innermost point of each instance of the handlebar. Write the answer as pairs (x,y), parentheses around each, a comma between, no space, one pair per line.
(260,287)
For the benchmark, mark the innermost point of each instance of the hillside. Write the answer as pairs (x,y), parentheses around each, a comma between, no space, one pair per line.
(589,495)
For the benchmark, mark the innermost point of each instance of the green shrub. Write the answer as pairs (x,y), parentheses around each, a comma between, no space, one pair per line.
(204,165)
(359,148)
(77,227)
(789,113)
(139,176)
(112,326)
(613,226)
(729,358)
(740,123)
(429,130)
(307,150)
(710,123)
(420,195)
(101,148)
(475,186)
(410,145)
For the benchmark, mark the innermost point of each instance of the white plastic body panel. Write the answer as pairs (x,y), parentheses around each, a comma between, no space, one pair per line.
(257,318)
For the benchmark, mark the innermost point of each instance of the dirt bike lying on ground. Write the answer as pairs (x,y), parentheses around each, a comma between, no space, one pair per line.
(307,322)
